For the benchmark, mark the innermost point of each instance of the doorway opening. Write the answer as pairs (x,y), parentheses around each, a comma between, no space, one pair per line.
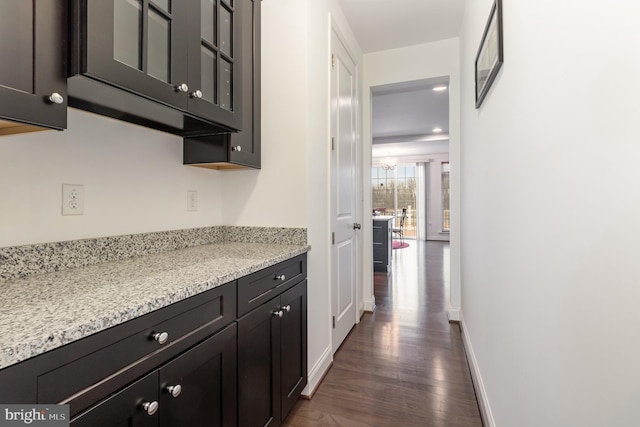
(410,159)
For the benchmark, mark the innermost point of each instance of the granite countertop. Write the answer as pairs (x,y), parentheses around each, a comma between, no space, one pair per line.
(46,311)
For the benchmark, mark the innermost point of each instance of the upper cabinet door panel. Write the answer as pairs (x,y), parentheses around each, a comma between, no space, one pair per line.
(214,61)
(138,45)
(33,87)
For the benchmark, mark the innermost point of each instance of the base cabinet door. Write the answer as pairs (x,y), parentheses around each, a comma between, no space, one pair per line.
(198,388)
(293,346)
(272,358)
(258,367)
(134,406)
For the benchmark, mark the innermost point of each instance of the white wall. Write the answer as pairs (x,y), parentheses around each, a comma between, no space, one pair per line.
(292,189)
(276,195)
(407,64)
(550,224)
(133,178)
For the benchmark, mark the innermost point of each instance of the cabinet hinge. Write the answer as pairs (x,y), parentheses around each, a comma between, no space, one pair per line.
(333,60)
(333,238)
(333,143)
(334,322)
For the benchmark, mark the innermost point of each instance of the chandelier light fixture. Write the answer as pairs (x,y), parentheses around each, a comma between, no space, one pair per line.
(388,163)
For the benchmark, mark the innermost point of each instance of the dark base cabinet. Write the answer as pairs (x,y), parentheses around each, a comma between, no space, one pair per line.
(235,355)
(382,241)
(207,377)
(272,358)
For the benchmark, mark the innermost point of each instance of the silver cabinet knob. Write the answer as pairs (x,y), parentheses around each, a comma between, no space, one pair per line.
(56,98)
(236,148)
(287,308)
(174,390)
(182,88)
(196,94)
(281,277)
(357,226)
(150,407)
(161,337)
(278,313)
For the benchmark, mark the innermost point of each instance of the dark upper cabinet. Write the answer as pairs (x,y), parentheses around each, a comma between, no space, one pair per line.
(33,77)
(241,149)
(181,55)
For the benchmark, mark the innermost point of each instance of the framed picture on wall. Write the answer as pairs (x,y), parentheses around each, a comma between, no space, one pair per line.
(490,54)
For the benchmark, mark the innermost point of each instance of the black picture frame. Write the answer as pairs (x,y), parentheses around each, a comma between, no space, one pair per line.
(490,54)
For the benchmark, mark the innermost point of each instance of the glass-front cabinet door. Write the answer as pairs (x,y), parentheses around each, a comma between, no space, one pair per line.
(184,53)
(214,66)
(139,45)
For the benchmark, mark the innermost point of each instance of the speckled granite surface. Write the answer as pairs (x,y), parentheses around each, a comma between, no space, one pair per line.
(46,311)
(22,261)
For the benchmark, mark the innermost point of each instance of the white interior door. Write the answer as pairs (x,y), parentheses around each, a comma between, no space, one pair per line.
(343,191)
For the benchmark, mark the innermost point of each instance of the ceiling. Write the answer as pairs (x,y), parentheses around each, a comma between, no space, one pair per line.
(389,24)
(405,114)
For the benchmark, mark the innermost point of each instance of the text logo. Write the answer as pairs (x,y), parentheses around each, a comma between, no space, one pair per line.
(34,415)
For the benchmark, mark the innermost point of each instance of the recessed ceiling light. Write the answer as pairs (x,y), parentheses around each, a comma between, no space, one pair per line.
(437,130)
(439,88)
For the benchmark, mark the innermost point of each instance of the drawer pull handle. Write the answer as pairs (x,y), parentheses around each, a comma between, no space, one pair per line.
(174,390)
(161,337)
(287,308)
(281,277)
(150,407)
(278,313)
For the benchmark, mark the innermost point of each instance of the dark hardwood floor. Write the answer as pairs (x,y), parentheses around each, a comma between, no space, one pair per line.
(404,364)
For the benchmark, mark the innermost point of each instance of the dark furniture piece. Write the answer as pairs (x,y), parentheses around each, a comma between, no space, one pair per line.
(173,66)
(33,76)
(233,355)
(382,230)
(399,230)
(241,149)
(272,343)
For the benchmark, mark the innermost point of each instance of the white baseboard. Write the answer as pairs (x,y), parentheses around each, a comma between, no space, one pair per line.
(370,305)
(453,314)
(318,372)
(481,393)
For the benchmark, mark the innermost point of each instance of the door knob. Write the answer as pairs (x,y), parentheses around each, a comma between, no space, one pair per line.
(150,407)
(56,98)
(174,390)
(182,88)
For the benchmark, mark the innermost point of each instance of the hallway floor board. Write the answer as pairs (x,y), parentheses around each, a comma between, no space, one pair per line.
(403,365)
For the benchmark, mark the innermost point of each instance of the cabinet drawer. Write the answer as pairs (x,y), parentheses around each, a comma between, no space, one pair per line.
(211,311)
(261,286)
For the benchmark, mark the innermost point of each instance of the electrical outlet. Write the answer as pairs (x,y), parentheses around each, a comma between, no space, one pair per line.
(72,199)
(192,201)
